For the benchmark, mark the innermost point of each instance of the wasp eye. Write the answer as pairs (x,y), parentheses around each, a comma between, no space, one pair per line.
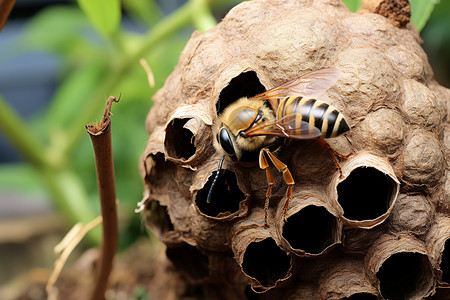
(226,142)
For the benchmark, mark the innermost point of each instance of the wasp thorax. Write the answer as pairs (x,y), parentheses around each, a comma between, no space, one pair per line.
(236,119)
(241,118)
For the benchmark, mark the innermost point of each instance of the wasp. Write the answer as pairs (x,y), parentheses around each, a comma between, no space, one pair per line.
(254,128)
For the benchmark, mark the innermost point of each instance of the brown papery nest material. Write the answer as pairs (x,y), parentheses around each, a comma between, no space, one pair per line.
(353,234)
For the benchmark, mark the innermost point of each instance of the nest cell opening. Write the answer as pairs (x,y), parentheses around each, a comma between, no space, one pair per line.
(158,218)
(179,141)
(189,260)
(162,171)
(250,294)
(225,194)
(266,262)
(404,275)
(246,84)
(445,262)
(365,194)
(312,229)
(361,296)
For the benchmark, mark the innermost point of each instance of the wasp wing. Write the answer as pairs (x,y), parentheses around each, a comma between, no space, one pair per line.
(285,127)
(310,85)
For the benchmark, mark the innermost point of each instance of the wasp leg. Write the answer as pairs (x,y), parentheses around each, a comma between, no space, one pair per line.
(287,177)
(263,164)
(334,153)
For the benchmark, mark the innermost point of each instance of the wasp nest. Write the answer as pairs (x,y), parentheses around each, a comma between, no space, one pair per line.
(377,228)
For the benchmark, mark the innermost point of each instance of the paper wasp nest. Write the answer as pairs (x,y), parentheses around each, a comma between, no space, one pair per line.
(381,230)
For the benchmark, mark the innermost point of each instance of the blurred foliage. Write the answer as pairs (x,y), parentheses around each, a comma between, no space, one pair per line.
(352,5)
(103,14)
(99,57)
(436,36)
(421,11)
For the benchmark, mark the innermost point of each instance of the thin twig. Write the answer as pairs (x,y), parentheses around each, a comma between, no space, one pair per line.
(5,8)
(65,248)
(100,134)
(148,71)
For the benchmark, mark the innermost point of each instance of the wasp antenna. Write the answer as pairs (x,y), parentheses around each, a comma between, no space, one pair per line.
(208,198)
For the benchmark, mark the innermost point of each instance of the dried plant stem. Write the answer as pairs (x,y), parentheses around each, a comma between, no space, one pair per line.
(65,248)
(5,8)
(100,134)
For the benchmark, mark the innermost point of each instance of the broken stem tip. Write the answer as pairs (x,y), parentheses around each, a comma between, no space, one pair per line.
(101,142)
(103,126)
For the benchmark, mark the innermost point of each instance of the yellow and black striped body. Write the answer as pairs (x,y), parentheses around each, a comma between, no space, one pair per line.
(317,113)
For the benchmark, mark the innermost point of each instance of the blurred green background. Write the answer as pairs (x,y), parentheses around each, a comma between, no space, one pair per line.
(59,62)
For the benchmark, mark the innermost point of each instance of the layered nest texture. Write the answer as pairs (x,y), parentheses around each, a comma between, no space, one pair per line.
(377,228)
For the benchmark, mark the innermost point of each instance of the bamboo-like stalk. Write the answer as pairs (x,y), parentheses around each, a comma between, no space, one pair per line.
(5,8)
(100,134)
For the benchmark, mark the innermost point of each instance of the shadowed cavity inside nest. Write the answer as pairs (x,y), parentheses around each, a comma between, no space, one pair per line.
(365,194)
(225,195)
(311,229)
(190,260)
(251,295)
(246,84)
(266,262)
(158,218)
(179,141)
(404,274)
(361,296)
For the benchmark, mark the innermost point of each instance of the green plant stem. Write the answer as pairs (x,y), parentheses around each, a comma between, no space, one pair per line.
(203,20)
(67,194)
(58,181)
(18,133)
(168,26)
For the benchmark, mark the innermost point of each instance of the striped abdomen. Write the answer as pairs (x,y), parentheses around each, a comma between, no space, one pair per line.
(317,113)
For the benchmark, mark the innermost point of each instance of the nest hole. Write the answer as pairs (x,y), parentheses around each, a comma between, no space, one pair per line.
(158,218)
(162,171)
(179,141)
(245,84)
(266,262)
(311,229)
(361,296)
(445,263)
(404,275)
(225,194)
(250,294)
(189,260)
(365,194)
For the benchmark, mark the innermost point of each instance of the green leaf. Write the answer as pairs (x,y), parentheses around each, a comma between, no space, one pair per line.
(146,11)
(56,29)
(421,11)
(104,14)
(352,5)
(70,97)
